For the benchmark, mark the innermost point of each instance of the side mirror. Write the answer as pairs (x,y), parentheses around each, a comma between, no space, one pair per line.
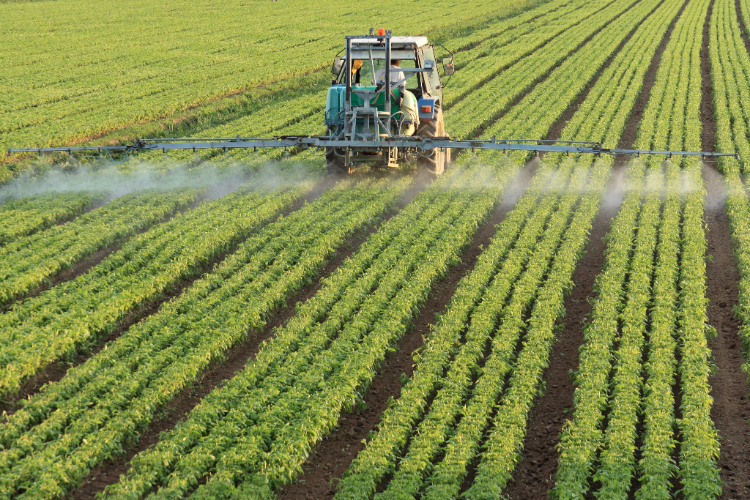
(338,63)
(448,68)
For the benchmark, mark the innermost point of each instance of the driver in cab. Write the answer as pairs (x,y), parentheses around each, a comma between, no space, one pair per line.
(397,78)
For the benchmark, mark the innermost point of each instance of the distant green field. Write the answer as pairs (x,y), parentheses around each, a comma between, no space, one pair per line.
(73,70)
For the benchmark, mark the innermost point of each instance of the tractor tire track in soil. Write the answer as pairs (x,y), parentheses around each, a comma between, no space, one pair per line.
(731,407)
(56,371)
(534,475)
(235,359)
(330,458)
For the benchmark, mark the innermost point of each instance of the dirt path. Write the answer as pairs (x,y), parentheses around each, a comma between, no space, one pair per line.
(332,456)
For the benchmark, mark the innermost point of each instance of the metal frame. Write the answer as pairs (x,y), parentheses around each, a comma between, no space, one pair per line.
(418,144)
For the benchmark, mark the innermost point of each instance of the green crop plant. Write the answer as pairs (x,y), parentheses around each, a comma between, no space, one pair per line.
(150,264)
(26,263)
(103,403)
(28,215)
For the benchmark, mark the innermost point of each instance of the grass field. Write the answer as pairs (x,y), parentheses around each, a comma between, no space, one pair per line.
(238,325)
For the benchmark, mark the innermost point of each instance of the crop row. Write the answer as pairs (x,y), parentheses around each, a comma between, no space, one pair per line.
(603,114)
(582,436)
(547,101)
(73,315)
(27,262)
(699,444)
(514,81)
(507,429)
(617,459)
(729,65)
(671,121)
(466,437)
(480,296)
(488,59)
(98,407)
(28,215)
(292,393)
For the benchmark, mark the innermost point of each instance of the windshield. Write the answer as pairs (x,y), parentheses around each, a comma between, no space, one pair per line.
(366,74)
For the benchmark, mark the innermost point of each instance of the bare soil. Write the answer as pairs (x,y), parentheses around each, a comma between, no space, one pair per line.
(332,456)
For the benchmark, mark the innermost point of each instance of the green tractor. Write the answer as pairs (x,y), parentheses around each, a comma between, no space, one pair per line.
(372,104)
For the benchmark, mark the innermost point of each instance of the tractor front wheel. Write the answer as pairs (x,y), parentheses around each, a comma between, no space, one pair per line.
(434,164)
(335,164)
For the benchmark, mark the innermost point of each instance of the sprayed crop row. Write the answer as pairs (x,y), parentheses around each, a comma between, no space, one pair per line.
(149,265)
(34,213)
(293,392)
(27,262)
(499,295)
(477,295)
(638,310)
(98,407)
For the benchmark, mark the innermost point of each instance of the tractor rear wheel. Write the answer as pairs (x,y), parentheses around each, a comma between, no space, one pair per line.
(434,164)
(335,164)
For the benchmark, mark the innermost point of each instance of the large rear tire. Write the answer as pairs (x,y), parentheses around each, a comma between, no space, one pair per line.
(335,164)
(434,164)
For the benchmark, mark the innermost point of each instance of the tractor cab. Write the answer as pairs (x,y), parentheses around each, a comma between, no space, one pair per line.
(362,104)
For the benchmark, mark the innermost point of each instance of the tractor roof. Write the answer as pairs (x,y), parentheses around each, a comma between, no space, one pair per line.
(397,42)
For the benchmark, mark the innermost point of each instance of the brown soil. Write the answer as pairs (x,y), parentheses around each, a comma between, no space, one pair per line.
(56,371)
(534,475)
(235,360)
(332,456)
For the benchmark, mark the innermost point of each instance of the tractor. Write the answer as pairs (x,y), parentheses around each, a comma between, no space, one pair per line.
(366,103)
